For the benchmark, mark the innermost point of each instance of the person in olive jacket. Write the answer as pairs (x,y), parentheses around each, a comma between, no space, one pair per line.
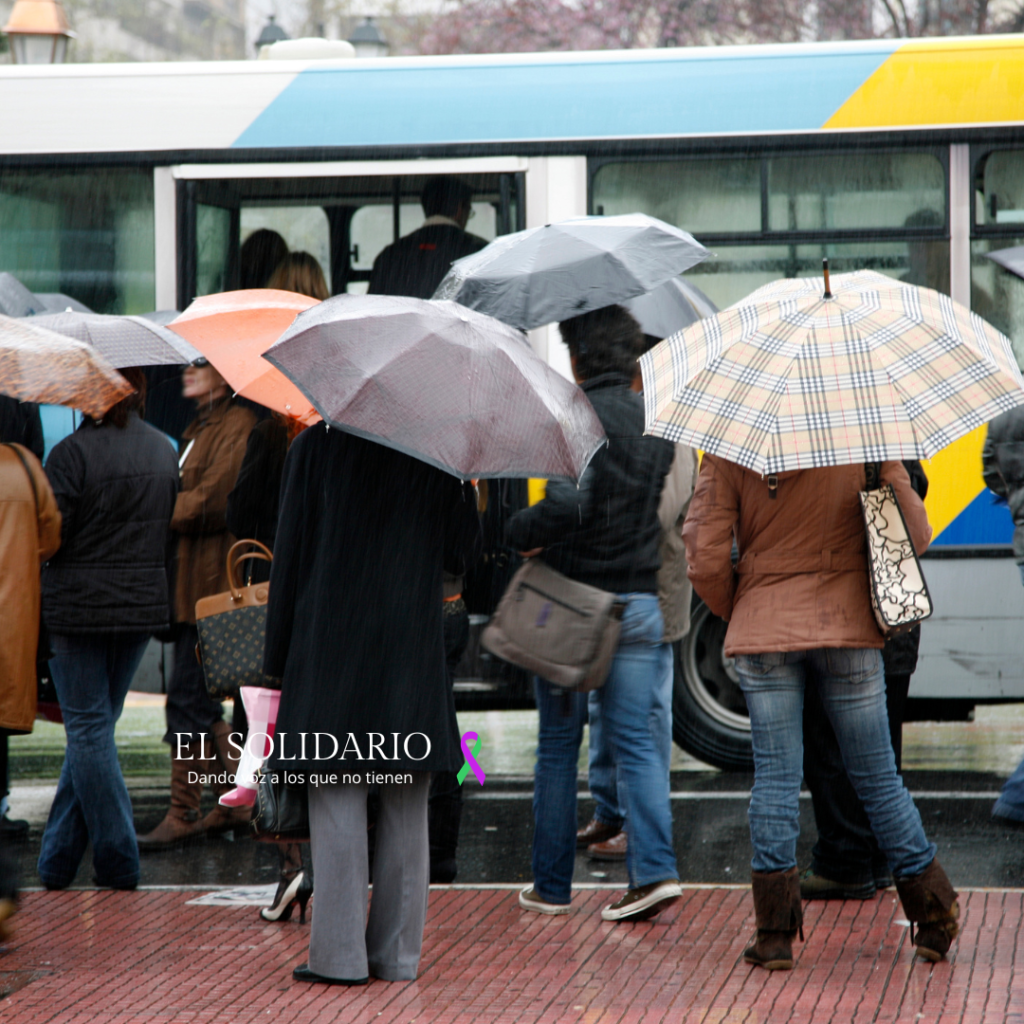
(213,447)
(104,595)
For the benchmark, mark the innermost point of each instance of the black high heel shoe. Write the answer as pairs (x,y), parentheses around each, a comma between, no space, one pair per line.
(290,891)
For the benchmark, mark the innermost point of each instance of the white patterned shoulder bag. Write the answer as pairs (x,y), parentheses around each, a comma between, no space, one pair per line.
(899,593)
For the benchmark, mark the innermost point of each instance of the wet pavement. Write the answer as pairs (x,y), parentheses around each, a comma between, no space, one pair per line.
(710,833)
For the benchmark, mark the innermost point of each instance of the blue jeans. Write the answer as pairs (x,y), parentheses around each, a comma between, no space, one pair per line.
(635,705)
(850,685)
(92,674)
(602,775)
(1011,800)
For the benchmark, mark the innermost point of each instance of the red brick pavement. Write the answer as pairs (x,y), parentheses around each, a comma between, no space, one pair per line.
(147,957)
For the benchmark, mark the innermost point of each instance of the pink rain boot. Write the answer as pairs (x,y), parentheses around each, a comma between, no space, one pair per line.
(261,706)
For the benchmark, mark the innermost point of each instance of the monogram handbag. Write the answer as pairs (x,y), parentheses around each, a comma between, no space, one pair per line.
(565,631)
(232,627)
(282,810)
(899,593)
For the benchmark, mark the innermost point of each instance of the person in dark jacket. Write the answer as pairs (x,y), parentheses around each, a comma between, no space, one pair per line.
(354,632)
(846,862)
(19,424)
(1002,465)
(104,594)
(416,264)
(606,533)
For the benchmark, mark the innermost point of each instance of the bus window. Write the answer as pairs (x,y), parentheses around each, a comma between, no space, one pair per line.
(303,228)
(996,294)
(88,234)
(699,195)
(213,243)
(767,217)
(855,191)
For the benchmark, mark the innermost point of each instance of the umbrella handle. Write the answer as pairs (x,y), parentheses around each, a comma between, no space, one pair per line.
(828,289)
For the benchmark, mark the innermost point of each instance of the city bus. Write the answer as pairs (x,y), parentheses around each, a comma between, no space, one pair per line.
(131,187)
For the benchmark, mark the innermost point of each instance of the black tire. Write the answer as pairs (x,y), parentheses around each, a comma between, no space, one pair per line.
(709,714)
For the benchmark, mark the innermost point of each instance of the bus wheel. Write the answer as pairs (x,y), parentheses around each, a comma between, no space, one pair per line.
(709,714)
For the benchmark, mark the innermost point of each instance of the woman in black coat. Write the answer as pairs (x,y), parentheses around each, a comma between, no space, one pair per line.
(355,632)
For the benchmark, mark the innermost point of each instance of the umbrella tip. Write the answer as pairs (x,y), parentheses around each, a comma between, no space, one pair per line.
(828,290)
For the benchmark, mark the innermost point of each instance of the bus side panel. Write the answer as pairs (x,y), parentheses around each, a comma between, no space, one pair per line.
(971,647)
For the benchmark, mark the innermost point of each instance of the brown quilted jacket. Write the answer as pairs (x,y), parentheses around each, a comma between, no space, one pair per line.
(802,579)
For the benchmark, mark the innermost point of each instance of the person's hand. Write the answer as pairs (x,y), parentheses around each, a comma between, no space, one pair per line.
(532,553)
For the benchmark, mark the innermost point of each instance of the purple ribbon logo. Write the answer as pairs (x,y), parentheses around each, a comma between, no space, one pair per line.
(471,761)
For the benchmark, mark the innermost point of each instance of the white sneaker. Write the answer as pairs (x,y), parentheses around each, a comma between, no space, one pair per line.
(529,900)
(643,902)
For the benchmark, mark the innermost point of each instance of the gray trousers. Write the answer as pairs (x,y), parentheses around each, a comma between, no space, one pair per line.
(342,942)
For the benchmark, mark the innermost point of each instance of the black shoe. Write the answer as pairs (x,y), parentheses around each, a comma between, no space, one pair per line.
(13,830)
(303,973)
(121,886)
(290,891)
(443,872)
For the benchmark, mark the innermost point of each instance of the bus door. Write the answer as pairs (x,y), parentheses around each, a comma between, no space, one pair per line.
(344,215)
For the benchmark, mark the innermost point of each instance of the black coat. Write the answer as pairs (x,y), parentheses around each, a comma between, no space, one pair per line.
(115,488)
(354,623)
(253,503)
(606,531)
(416,264)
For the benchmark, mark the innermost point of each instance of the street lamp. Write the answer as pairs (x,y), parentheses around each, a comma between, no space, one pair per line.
(39,32)
(272,33)
(368,41)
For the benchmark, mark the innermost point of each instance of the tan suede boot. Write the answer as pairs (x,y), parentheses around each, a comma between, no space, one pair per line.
(181,823)
(930,901)
(224,819)
(779,915)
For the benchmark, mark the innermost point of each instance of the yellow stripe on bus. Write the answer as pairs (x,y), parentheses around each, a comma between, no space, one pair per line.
(941,81)
(535,490)
(954,479)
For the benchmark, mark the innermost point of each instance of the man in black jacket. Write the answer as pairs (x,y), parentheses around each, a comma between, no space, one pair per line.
(415,264)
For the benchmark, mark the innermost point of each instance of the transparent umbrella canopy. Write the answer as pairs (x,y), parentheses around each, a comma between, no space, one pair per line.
(38,365)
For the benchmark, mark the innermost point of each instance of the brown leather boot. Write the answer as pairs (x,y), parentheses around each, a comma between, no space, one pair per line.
(224,819)
(779,916)
(930,901)
(181,823)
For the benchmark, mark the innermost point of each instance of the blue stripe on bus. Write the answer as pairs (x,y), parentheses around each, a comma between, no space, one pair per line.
(982,522)
(781,89)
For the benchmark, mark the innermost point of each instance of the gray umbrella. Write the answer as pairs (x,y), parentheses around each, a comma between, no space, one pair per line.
(670,307)
(1009,259)
(58,302)
(450,387)
(561,270)
(16,299)
(123,340)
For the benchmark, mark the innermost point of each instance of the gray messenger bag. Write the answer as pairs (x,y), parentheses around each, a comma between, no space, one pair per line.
(565,631)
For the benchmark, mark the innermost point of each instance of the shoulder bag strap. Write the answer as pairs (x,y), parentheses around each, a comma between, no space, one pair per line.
(873,473)
(28,473)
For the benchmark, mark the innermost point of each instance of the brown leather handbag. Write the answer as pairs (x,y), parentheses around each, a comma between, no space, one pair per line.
(232,629)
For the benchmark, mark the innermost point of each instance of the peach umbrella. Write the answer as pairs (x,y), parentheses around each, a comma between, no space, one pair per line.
(234,329)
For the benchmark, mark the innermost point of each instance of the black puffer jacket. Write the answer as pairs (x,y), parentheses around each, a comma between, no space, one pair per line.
(1002,465)
(116,489)
(605,532)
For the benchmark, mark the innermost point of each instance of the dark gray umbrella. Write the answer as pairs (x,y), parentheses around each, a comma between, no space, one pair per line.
(561,270)
(451,387)
(16,299)
(123,340)
(670,307)
(1009,259)
(58,302)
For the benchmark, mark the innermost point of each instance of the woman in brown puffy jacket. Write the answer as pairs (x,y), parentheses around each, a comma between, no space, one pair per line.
(799,614)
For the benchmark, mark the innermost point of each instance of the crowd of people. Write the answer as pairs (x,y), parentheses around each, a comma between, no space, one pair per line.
(366,621)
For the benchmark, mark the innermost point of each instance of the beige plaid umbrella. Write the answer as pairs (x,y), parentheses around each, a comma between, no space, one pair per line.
(788,379)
